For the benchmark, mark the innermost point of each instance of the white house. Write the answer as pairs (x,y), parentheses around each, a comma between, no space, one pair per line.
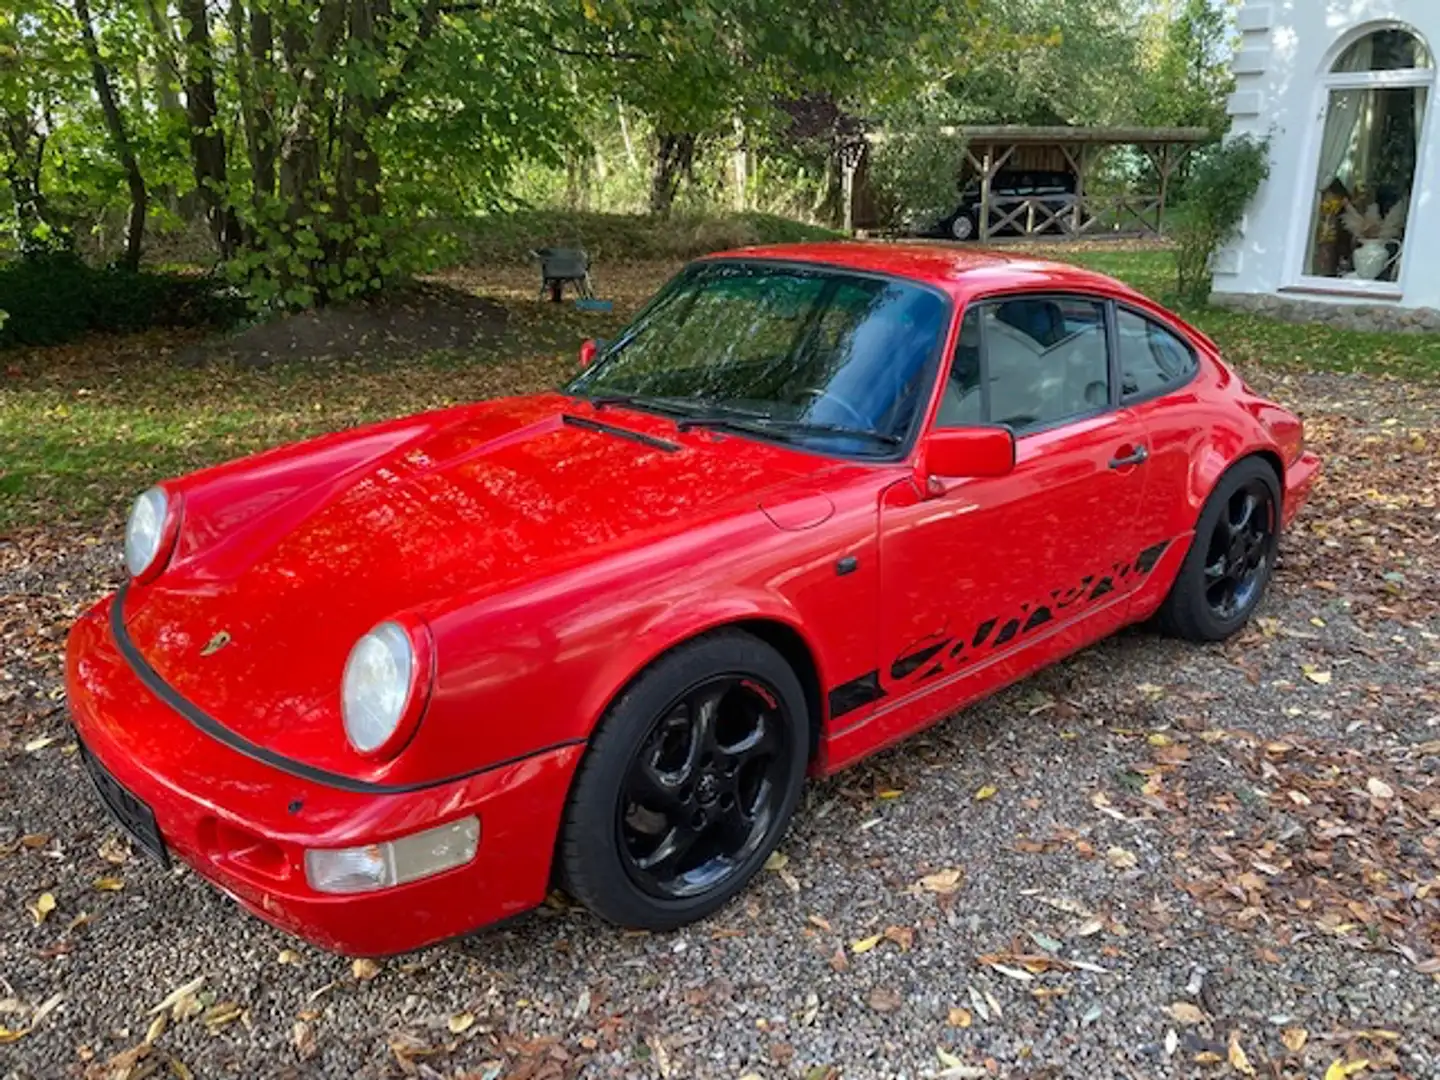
(1344,90)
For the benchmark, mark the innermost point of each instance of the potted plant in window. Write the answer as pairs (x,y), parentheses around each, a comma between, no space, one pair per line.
(1377,237)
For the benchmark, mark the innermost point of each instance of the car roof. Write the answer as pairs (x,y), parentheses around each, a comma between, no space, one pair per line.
(962,272)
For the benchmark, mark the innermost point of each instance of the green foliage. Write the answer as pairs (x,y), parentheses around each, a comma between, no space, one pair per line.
(624,238)
(51,299)
(1188,77)
(915,176)
(1220,188)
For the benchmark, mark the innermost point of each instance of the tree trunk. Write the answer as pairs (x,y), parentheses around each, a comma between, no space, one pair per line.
(33,233)
(115,125)
(207,140)
(254,54)
(674,162)
(358,177)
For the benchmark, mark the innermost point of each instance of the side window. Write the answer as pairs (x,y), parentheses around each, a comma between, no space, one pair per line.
(1045,360)
(961,404)
(1151,357)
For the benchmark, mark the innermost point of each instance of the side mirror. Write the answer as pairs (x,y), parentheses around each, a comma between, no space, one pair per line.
(589,349)
(970,452)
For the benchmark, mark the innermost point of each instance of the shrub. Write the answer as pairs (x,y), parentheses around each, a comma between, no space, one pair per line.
(53,298)
(915,175)
(1219,189)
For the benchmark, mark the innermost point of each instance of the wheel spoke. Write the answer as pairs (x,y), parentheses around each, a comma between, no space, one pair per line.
(1215,572)
(759,742)
(672,848)
(1247,511)
(659,790)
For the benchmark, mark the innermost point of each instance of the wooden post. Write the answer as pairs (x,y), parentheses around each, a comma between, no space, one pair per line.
(987,166)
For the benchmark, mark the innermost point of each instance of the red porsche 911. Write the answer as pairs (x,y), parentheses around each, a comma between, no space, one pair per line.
(390,685)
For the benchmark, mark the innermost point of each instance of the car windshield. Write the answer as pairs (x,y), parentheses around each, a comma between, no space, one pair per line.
(835,361)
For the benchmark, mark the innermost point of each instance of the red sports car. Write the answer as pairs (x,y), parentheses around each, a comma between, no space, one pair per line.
(390,685)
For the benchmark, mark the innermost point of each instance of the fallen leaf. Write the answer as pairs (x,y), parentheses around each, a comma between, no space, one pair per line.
(41,906)
(288,956)
(302,1035)
(216,643)
(177,995)
(220,1014)
(777,860)
(1378,789)
(1340,1068)
(889,793)
(460,1023)
(114,849)
(43,741)
(884,1000)
(1319,678)
(1121,859)
(157,1027)
(1090,926)
(988,791)
(864,945)
(942,882)
(364,969)
(904,936)
(1294,1038)
(109,883)
(960,1018)
(818,921)
(1236,1053)
(1186,1013)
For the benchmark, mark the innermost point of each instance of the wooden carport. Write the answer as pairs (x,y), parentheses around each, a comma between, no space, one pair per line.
(988,149)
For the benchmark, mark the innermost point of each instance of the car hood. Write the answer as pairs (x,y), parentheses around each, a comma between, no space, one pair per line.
(254,626)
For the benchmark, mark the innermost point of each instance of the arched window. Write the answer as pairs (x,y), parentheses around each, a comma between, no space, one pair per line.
(1376,93)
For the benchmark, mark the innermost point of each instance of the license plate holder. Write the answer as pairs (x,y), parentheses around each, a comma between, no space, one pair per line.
(130,812)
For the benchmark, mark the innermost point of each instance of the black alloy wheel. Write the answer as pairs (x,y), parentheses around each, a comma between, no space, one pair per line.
(1237,561)
(688,783)
(1231,557)
(704,788)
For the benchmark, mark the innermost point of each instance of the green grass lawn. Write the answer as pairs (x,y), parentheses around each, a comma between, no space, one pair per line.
(84,427)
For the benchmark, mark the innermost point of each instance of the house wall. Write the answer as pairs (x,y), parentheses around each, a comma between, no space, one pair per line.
(1286,48)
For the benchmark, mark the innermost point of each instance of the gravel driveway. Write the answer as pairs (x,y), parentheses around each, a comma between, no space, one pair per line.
(1153,860)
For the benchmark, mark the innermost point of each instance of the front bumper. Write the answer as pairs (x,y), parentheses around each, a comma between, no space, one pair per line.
(244,825)
(1299,481)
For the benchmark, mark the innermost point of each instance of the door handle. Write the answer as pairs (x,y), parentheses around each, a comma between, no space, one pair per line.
(1137,456)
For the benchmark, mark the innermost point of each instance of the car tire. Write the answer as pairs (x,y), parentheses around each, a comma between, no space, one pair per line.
(1228,567)
(633,794)
(962,227)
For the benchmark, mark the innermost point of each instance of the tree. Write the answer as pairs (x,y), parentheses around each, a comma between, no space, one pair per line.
(119,136)
(1187,75)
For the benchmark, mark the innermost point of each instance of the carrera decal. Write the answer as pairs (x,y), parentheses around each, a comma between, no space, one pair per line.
(849,696)
(949,652)
(909,663)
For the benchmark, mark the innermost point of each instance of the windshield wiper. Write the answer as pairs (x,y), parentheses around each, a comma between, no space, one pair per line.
(743,421)
(665,405)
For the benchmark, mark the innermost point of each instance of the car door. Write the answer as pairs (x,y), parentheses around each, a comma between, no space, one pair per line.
(985,567)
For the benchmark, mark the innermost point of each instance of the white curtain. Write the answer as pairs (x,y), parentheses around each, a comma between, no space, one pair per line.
(1341,119)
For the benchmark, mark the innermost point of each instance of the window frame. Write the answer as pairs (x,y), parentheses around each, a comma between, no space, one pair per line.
(1112,370)
(1121,401)
(1296,278)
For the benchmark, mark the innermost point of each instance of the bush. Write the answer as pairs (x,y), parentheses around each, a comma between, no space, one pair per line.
(1219,189)
(55,298)
(621,238)
(915,176)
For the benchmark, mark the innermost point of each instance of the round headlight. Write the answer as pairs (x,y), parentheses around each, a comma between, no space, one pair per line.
(145,530)
(377,685)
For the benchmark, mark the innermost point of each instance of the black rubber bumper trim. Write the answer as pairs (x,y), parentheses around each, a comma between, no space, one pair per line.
(220,733)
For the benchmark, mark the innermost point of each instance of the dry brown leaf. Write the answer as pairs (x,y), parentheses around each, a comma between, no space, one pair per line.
(460,1023)
(884,1000)
(364,969)
(302,1035)
(960,1018)
(777,860)
(904,936)
(180,993)
(1378,789)
(1186,1013)
(943,882)
(220,1014)
(1121,859)
(1294,1038)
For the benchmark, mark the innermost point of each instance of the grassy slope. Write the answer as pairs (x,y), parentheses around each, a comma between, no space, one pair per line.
(83,427)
